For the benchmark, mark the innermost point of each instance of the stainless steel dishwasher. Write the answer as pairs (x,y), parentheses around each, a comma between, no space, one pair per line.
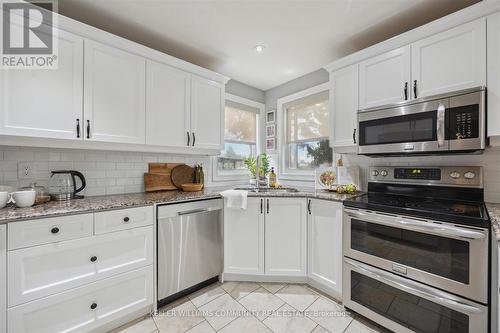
(189,246)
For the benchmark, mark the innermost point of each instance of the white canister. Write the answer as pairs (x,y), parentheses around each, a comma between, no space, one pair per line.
(4,198)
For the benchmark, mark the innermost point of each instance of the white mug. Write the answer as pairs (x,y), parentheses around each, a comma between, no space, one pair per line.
(23,198)
(4,198)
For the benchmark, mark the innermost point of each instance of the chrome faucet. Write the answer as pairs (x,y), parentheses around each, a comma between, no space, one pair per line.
(257,173)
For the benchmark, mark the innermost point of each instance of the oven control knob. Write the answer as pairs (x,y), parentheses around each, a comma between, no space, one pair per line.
(384,173)
(455,175)
(375,173)
(469,175)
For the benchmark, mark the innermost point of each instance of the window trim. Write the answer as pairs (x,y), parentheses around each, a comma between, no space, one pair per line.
(225,175)
(286,174)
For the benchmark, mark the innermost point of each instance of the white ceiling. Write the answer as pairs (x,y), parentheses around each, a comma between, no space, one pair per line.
(300,35)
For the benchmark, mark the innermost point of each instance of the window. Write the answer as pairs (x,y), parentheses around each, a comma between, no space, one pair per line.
(240,134)
(306,132)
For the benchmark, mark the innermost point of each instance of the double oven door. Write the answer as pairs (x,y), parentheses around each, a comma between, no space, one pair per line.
(415,275)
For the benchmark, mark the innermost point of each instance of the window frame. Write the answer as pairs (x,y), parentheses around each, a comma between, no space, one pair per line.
(219,175)
(289,174)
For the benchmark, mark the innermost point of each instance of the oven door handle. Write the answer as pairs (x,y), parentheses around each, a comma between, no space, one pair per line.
(441,112)
(416,225)
(412,287)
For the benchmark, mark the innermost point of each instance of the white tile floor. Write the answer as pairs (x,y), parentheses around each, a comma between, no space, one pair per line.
(247,307)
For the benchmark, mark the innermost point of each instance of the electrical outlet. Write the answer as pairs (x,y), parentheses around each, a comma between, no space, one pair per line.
(24,170)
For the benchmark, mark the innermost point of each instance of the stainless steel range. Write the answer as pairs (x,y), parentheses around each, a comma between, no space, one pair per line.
(416,250)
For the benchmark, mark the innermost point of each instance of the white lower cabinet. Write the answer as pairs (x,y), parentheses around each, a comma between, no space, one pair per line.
(48,269)
(325,245)
(286,237)
(3,278)
(244,239)
(85,309)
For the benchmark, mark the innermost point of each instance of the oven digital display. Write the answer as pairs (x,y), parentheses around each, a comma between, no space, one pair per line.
(417,173)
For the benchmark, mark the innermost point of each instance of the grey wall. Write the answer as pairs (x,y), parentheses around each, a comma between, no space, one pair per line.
(304,82)
(243,90)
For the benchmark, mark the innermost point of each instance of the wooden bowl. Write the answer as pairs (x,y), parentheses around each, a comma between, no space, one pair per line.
(192,187)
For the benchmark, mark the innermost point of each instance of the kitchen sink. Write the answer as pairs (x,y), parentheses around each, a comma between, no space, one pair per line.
(269,189)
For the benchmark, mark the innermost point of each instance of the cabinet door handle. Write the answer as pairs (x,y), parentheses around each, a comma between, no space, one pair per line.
(354,136)
(415,89)
(93,259)
(194,139)
(126,219)
(267,206)
(54,230)
(77,127)
(261,206)
(406,91)
(93,306)
(189,139)
(88,129)
(309,206)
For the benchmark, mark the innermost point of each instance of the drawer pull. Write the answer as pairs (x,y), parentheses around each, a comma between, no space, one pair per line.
(93,306)
(54,230)
(93,259)
(126,219)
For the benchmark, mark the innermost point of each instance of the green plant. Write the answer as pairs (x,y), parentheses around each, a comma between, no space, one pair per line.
(251,164)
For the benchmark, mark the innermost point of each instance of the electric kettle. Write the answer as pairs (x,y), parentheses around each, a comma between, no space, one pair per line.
(63,185)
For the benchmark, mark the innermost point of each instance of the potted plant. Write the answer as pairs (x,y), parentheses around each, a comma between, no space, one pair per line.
(264,168)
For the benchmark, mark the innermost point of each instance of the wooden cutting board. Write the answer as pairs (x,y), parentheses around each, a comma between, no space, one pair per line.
(159,177)
(182,174)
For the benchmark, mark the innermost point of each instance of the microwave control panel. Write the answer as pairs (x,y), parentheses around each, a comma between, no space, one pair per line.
(463,122)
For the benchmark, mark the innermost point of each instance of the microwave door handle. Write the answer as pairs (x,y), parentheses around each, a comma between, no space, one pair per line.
(412,287)
(441,112)
(417,225)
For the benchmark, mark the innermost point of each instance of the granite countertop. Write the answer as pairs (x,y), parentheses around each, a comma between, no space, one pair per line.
(121,201)
(494,212)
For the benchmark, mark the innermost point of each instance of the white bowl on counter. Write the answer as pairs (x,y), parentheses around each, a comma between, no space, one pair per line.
(24,199)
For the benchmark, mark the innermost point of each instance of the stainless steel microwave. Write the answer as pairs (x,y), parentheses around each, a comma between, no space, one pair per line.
(454,122)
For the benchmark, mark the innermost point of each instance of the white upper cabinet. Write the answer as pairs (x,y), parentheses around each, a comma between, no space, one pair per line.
(494,75)
(286,237)
(115,107)
(45,102)
(207,113)
(325,246)
(385,79)
(244,239)
(168,93)
(451,60)
(344,106)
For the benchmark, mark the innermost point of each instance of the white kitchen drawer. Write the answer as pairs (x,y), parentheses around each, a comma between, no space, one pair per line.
(70,311)
(49,230)
(123,219)
(48,269)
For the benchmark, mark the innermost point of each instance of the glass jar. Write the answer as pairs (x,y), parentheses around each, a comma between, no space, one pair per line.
(41,193)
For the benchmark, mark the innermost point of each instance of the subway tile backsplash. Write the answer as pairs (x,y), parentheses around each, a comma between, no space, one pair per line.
(106,172)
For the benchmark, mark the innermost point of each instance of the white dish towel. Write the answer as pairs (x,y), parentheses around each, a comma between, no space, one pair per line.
(235,199)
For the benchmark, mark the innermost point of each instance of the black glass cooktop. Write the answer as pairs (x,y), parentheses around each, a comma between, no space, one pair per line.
(471,213)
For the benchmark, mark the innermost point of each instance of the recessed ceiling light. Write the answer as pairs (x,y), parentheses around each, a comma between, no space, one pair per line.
(259,48)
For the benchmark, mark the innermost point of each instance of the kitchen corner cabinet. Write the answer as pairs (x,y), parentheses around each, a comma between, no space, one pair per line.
(325,245)
(452,60)
(493,73)
(344,103)
(244,239)
(268,238)
(114,95)
(45,102)
(168,104)
(286,237)
(207,113)
(3,279)
(385,79)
